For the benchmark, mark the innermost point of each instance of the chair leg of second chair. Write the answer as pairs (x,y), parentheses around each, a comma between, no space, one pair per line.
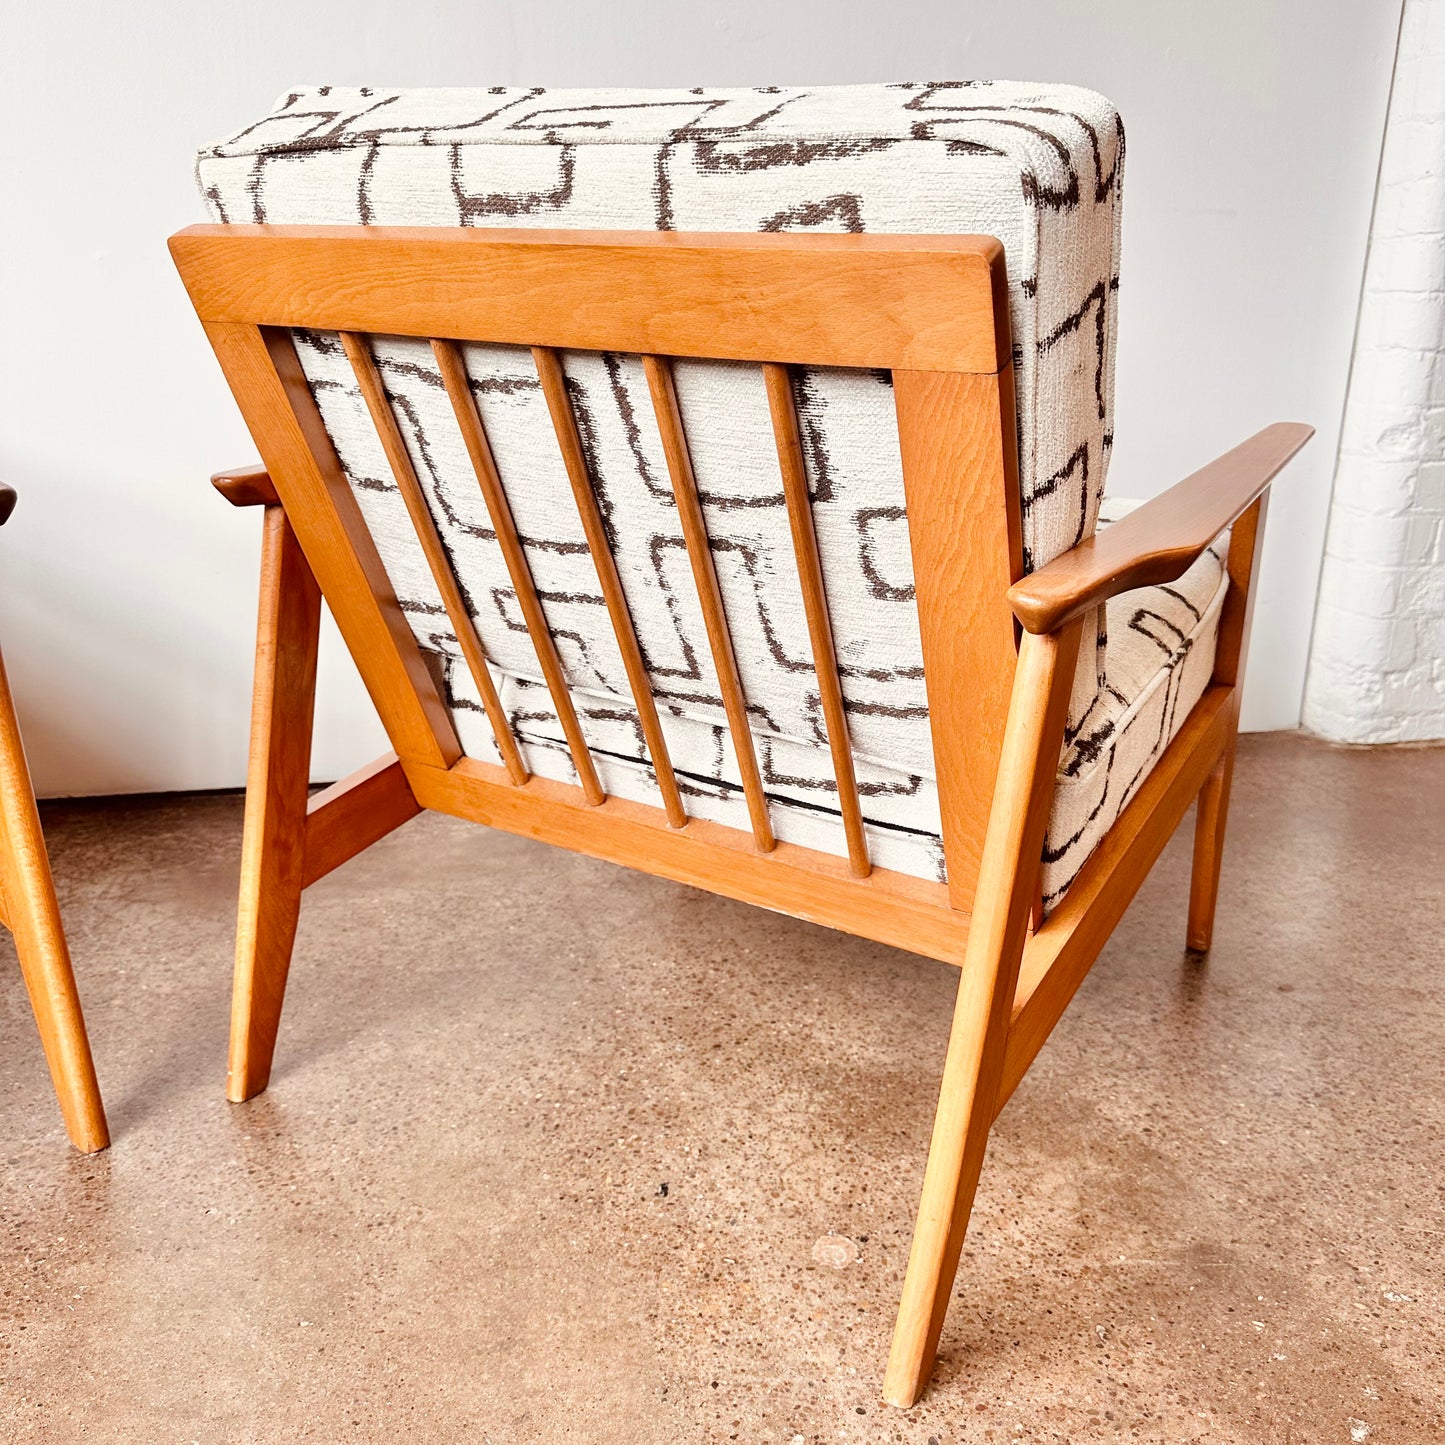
(274,844)
(33,915)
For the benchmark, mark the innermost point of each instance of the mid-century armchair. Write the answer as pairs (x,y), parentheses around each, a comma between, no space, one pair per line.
(704,540)
(28,908)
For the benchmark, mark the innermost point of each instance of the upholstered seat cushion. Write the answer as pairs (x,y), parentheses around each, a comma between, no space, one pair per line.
(1161,658)
(1037,166)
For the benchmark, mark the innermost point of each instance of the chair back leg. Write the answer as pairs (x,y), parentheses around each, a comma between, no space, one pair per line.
(1246,542)
(273,847)
(1211,813)
(31,910)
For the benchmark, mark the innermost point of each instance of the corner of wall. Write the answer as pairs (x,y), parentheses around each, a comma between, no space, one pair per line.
(1377,659)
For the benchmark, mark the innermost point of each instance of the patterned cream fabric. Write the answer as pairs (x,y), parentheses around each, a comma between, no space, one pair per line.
(1160,658)
(1037,166)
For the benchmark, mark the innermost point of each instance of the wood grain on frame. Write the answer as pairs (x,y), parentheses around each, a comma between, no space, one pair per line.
(271,390)
(957,439)
(922,302)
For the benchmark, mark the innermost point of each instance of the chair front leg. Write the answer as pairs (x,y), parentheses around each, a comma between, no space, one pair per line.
(273,848)
(1008,878)
(33,914)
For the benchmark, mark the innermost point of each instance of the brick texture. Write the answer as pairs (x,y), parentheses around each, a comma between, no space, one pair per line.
(1377,661)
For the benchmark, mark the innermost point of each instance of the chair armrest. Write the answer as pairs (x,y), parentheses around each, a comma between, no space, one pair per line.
(1159,541)
(247,487)
(7,503)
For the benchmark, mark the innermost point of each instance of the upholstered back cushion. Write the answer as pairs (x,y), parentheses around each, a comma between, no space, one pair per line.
(1038,167)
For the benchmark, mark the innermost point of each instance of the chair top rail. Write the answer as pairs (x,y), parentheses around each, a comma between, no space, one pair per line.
(903,302)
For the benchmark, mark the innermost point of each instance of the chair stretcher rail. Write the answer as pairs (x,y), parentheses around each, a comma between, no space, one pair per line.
(352,814)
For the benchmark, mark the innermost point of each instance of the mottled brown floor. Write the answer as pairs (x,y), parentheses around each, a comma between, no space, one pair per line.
(549,1147)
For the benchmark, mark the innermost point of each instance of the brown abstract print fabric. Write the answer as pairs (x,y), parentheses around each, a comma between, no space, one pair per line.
(1039,167)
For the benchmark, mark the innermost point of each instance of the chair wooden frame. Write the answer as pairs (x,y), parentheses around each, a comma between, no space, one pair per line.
(999,649)
(29,909)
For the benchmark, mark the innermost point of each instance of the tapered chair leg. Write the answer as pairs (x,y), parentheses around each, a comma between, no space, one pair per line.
(1210,816)
(273,848)
(33,914)
(1008,878)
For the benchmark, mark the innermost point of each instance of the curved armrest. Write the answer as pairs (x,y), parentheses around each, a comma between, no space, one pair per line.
(7,503)
(247,487)
(1156,542)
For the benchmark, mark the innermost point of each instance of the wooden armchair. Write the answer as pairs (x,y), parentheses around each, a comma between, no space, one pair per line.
(28,908)
(533,474)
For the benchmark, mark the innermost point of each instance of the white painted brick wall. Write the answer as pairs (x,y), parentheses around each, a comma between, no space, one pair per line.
(1377,661)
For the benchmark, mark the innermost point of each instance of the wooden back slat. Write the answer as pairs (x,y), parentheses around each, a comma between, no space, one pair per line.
(784,411)
(363,364)
(474,434)
(704,574)
(564,424)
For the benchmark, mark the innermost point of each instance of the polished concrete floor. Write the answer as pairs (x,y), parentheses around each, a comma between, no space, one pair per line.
(552,1152)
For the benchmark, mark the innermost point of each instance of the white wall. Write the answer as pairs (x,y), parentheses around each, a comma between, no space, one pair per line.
(128,589)
(1377,664)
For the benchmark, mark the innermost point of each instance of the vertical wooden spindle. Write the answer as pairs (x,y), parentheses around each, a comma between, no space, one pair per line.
(704,573)
(384,420)
(474,434)
(564,423)
(815,605)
